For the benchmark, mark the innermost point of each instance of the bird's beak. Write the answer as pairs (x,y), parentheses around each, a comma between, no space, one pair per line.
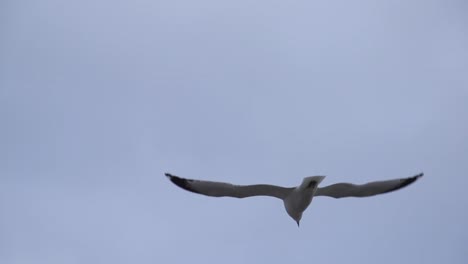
(297,223)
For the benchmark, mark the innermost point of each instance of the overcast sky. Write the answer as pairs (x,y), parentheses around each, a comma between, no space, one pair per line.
(99,98)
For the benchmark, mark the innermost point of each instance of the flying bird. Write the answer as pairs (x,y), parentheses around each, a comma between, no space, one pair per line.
(295,199)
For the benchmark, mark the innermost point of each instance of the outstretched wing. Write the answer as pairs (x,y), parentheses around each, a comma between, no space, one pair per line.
(341,190)
(220,189)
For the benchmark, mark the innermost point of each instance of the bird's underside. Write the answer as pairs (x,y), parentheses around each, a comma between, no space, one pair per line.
(296,199)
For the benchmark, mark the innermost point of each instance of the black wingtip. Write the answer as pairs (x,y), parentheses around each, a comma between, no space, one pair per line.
(412,179)
(181,182)
(407,181)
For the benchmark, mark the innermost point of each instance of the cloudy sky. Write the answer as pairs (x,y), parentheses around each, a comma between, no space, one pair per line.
(99,98)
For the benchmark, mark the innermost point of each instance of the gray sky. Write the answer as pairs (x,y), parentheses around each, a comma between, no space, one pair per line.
(99,98)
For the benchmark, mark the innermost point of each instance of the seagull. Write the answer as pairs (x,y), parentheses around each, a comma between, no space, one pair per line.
(295,199)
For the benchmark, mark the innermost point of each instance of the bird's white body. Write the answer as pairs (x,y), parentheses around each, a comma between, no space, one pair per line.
(300,197)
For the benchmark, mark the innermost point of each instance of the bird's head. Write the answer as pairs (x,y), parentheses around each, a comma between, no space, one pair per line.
(297,218)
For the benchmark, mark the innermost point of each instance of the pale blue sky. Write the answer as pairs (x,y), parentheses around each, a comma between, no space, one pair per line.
(99,98)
